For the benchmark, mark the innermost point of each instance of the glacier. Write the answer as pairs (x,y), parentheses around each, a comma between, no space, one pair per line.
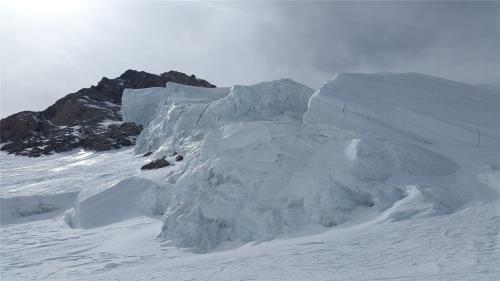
(272,158)
(371,176)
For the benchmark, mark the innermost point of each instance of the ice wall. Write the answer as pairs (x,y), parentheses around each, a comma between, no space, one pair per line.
(430,109)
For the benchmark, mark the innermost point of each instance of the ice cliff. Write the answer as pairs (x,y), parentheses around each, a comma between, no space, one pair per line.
(426,108)
(176,116)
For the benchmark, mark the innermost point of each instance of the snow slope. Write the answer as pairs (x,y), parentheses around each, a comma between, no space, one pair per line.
(374,177)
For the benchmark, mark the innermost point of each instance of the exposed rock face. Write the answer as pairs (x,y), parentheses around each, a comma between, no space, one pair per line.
(156,164)
(90,118)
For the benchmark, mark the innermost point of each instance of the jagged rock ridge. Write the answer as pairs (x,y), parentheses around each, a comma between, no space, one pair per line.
(90,118)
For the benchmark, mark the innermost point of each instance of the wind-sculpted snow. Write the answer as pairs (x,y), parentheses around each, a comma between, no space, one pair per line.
(191,111)
(429,109)
(258,180)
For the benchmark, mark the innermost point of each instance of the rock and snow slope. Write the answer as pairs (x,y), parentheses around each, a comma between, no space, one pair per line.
(89,118)
(384,168)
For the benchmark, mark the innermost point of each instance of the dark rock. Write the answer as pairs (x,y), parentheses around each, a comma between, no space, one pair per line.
(75,121)
(19,126)
(147,154)
(160,163)
(175,153)
(178,157)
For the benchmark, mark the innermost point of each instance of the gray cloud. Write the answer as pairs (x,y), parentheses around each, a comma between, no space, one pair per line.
(43,58)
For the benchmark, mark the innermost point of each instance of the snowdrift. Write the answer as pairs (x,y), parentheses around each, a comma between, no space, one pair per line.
(426,108)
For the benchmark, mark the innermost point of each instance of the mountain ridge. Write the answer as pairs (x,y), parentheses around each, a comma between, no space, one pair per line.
(89,118)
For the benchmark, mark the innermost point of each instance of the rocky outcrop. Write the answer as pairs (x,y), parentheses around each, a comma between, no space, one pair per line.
(90,118)
(156,164)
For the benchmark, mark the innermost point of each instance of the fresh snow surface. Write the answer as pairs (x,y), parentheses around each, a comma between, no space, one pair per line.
(274,185)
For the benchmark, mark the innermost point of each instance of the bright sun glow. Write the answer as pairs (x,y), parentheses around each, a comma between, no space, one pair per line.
(44,8)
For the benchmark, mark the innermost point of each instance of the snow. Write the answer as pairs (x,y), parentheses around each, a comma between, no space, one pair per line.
(85,102)
(111,104)
(275,184)
(107,122)
(25,208)
(131,200)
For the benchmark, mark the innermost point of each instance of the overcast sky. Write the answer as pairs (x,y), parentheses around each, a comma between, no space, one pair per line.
(50,50)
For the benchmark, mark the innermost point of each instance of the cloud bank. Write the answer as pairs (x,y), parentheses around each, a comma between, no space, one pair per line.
(45,56)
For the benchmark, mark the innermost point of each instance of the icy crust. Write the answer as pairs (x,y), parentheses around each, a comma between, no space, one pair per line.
(185,120)
(429,109)
(258,180)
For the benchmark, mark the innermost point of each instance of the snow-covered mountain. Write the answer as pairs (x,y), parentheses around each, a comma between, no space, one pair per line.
(371,177)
